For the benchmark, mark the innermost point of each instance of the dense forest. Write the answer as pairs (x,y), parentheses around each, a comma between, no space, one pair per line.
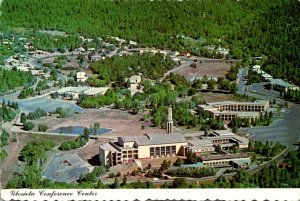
(9,80)
(116,69)
(247,28)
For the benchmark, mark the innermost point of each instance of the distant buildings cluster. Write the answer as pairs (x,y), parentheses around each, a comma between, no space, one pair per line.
(276,84)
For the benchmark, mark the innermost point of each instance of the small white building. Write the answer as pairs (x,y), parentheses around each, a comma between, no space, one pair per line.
(132,43)
(174,53)
(46,76)
(163,52)
(81,49)
(154,51)
(266,77)
(11,61)
(37,72)
(81,77)
(223,51)
(256,68)
(23,68)
(70,92)
(97,57)
(92,49)
(177,60)
(135,79)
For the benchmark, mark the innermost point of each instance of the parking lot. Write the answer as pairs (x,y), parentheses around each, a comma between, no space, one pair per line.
(44,102)
(66,168)
(285,130)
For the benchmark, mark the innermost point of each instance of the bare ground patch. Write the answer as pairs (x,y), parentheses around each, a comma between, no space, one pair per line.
(12,163)
(210,69)
(121,122)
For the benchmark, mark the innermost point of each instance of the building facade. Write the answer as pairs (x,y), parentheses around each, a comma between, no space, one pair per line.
(223,138)
(280,85)
(81,77)
(225,160)
(128,148)
(228,110)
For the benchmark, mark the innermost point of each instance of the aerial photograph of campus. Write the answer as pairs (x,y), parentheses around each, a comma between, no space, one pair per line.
(130,94)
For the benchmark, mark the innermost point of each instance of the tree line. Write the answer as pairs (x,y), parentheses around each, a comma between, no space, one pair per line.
(12,79)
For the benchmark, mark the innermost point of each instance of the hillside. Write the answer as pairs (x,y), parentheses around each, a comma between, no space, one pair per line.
(247,28)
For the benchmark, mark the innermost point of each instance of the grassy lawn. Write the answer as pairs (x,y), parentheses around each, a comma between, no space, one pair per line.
(57,139)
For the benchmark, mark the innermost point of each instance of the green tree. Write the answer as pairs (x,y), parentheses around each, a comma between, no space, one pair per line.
(191,158)
(23,118)
(179,183)
(96,128)
(86,133)
(28,126)
(179,162)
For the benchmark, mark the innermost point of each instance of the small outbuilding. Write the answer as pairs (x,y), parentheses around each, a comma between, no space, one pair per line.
(81,77)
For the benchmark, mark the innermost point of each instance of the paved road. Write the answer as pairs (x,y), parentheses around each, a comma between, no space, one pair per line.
(183,64)
(33,61)
(240,80)
(286,129)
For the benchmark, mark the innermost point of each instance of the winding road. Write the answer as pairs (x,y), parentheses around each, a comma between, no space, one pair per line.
(284,130)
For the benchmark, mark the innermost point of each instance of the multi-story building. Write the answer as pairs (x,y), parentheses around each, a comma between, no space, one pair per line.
(226,159)
(223,138)
(128,148)
(228,110)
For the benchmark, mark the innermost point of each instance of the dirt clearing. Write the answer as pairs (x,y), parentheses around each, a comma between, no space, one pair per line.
(210,69)
(121,122)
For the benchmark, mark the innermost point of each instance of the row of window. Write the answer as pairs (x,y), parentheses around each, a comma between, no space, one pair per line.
(162,151)
(217,162)
(234,108)
(130,151)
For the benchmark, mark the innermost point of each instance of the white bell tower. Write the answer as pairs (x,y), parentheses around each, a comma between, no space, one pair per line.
(169,121)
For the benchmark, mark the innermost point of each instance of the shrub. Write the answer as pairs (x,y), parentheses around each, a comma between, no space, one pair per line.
(42,127)
(3,155)
(179,162)
(69,145)
(4,138)
(100,170)
(28,126)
